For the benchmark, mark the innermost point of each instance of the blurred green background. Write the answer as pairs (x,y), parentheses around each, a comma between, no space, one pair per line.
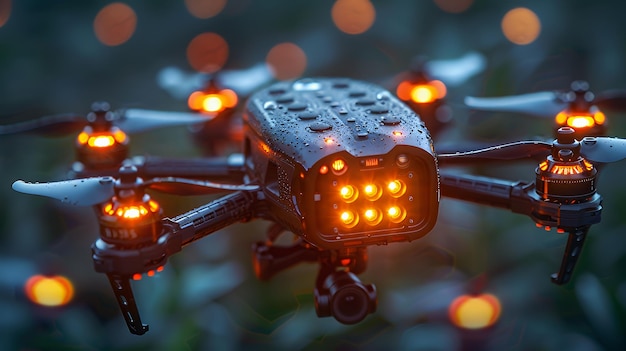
(207,298)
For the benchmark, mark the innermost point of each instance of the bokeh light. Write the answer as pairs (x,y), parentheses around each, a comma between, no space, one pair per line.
(353,16)
(286,61)
(207,52)
(115,24)
(454,6)
(474,311)
(49,291)
(521,26)
(5,11)
(205,8)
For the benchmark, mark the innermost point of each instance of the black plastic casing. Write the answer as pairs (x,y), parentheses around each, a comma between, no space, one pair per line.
(294,133)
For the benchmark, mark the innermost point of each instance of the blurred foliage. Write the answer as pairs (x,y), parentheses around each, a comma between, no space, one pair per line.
(208,297)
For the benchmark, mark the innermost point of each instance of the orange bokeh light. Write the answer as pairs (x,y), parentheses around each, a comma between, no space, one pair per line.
(453,6)
(286,61)
(353,16)
(205,8)
(475,311)
(5,11)
(207,52)
(49,291)
(521,26)
(115,24)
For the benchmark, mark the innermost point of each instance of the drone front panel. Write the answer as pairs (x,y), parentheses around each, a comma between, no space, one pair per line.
(343,163)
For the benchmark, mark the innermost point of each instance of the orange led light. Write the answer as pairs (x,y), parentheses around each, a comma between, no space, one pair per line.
(396,188)
(101,141)
(396,214)
(372,216)
(229,98)
(348,193)
(119,136)
(349,218)
(339,166)
(561,118)
(212,103)
(423,94)
(49,291)
(328,141)
(372,192)
(324,169)
(580,121)
(599,117)
(83,138)
(566,169)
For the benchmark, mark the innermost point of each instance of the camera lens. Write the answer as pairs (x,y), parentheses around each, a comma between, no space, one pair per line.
(346,298)
(350,304)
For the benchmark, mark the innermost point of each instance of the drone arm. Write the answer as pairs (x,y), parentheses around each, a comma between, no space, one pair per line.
(228,168)
(485,191)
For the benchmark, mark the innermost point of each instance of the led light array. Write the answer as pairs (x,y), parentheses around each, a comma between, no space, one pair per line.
(102,140)
(369,209)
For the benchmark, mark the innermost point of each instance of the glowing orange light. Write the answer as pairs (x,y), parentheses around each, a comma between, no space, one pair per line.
(396,188)
(229,98)
(324,169)
(372,192)
(372,216)
(599,117)
(396,133)
(454,6)
(588,166)
(82,138)
(475,312)
(345,261)
(353,16)
(348,193)
(349,218)
(207,52)
(339,166)
(440,88)
(561,118)
(396,214)
(286,61)
(49,290)
(328,141)
(101,141)
(5,11)
(136,276)
(115,24)
(423,94)
(566,169)
(119,135)
(194,101)
(404,90)
(521,26)
(543,166)
(212,103)
(580,121)
(205,8)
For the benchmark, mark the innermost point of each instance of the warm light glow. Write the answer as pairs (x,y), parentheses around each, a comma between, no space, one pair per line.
(566,169)
(205,8)
(324,169)
(49,291)
(353,16)
(349,218)
(599,117)
(396,214)
(404,90)
(339,166)
(119,135)
(580,121)
(561,118)
(423,94)
(474,312)
(194,101)
(348,193)
(5,11)
(229,98)
(286,61)
(372,216)
(115,24)
(207,52)
(454,6)
(212,103)
(328,141)
(396,188)
(521,26)
(396,133)
(82,138)
(132,212)
(101,141)
(372,192)
(543,166)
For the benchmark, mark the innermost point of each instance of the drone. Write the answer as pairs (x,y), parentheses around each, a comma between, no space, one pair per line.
(341,164)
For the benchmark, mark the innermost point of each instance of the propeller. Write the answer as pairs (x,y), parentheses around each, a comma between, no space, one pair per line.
(549,103)
(456,71)
(593,149)
(96,190)
(128,120)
